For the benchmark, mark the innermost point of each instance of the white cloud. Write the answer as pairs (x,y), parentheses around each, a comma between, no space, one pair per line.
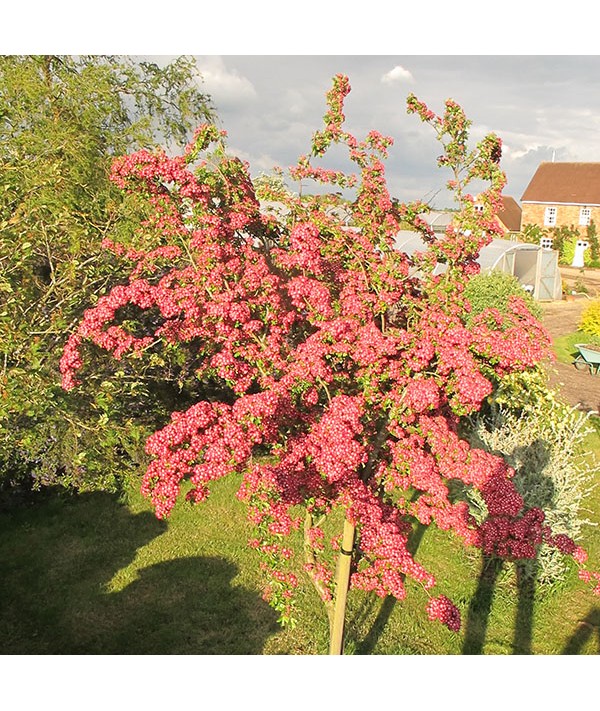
(515,153)
(259,163)
(295,102)
(226,86)
(397,74)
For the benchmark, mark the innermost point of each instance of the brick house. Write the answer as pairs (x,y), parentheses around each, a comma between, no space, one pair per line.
(563,195)
(509,216)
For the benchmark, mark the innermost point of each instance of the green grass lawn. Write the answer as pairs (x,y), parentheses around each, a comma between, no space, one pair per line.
(564,346)
(92,574)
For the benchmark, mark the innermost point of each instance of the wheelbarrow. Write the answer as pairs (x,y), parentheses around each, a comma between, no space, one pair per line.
(588,358)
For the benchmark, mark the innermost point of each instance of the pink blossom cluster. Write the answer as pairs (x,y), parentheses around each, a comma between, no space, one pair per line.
(383,543)
(591,577)
(155,171)
(442,609)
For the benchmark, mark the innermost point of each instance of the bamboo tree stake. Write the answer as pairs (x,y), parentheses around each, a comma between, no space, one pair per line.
(342,575)
(342,584)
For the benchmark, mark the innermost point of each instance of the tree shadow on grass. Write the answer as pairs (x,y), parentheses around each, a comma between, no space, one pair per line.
(368,643)
(586,628)
(185,606)
(56,562)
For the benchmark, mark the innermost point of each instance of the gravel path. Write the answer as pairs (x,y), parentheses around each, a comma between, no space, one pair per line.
(578,388)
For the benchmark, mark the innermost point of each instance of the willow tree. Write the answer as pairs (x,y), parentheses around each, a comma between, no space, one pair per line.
(62,121)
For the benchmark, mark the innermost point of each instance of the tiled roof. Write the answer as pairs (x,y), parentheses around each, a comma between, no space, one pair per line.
(510,215)
(567,183)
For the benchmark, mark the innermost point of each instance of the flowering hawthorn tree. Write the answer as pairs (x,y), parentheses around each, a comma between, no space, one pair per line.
(344,365)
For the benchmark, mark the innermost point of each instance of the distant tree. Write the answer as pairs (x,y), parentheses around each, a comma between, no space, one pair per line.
(563,241)
(62,121)
(592,238)
(533,233)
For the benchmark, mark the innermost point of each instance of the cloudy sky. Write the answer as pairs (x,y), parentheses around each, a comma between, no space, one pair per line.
(543,107)
(267,65)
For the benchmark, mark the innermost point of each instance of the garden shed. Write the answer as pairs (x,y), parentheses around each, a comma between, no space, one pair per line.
(534,266)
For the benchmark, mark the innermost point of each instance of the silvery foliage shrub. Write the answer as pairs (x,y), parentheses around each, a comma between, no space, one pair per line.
(544,443)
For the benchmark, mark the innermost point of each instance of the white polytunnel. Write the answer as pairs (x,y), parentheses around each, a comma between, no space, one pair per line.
(534,266)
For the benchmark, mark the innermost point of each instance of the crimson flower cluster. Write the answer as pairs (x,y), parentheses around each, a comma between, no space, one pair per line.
(350,363)
(442,609)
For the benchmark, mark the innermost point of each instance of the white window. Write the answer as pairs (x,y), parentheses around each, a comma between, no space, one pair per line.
(550,217)
(585,216)
(478,207)
(546,242)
